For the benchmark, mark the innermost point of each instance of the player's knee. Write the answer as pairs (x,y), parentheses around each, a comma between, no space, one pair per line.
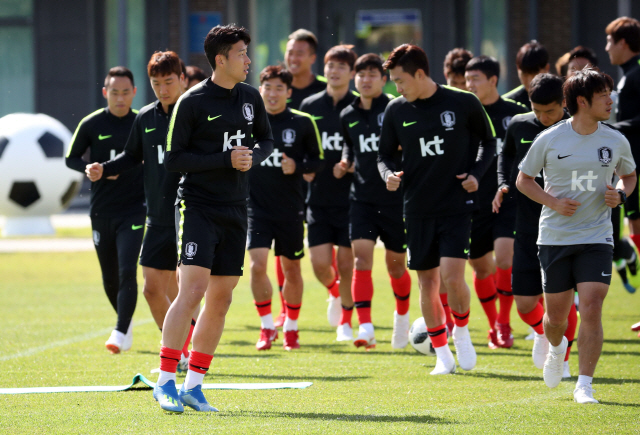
(504,262)
(362,263)
(453,283)
(524,305)
(258,268)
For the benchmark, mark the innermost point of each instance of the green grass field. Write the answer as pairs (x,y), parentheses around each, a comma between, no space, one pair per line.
(56,319)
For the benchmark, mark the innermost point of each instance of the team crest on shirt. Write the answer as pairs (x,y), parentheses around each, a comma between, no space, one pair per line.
(605,155)
(247,111)
(505,121)
(288,136)
(190,250)
(96,237)
(380,118)
(448,119)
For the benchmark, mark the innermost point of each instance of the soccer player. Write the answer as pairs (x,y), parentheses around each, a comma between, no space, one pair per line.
(276,205)
(375,211)
(454,63)
(117,202)
(299,56)
(447,145)
(328,197)
(580,57)
(532,59)
(217,132)
(194,76)
(546,97)
(579,157)
(493,231)
(146,144)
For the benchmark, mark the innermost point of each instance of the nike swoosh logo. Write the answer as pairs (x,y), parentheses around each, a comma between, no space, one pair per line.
(101,137)
(300,252)
(353,124)
(407,124)
(211,119)
(466,251)
(148,130)
(606,274)
(525,141)
(136,227)
(564,157)
(315,118)
(404,246)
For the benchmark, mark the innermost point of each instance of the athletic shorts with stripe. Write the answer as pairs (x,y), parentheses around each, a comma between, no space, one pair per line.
(370,221)
(213,237)
(288,236)
(159,249)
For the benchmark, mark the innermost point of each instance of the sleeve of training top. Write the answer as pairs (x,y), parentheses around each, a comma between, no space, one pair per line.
(535,159)
(80,142)
(347,147)
(631,125)
(130,156)
(505,158)
(626,165)
(177,158)
(388,145)
(314,154)
(262,134)
(480,126)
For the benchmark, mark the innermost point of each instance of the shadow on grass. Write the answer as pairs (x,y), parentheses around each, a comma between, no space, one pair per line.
(295,378)
(359,418)
(631,405)
(505,352)
(508,377)
(254,355)
(620,352)
(634,341)
(356,351)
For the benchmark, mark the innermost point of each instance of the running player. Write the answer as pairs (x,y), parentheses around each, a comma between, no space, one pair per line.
(442,161)
(579,157)
(117,202)
(375,211)
(328,197)
(299,56)
(217,132)
(454,63)
(146,143)
(276,205)
(490,231)
(532,59)
(546,97)
(194,76)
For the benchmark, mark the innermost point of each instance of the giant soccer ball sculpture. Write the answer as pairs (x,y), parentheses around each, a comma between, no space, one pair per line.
(34,180)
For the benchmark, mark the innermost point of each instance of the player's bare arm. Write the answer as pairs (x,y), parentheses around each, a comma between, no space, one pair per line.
(627,184)
(528,186)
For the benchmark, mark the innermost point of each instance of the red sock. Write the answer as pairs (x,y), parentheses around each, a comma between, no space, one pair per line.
(402,290)
(185,348)
(199,362)
(505,295)
(334,287)
(444,298)
(570,333)
(279,273)
(486,291)
(263,307)
(438,336)
(362,293)
(346,315)
(636,239)
(293,311)
(169,359)
(534,318)
(460,319)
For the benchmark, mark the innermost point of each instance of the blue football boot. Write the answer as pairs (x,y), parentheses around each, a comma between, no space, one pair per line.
(167,397)
(194,398)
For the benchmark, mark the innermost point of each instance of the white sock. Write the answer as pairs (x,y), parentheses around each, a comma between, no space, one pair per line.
(193,379)
(366,327)
(584,380)
(290,324)
(444,353)
(165,377)
(461,331)
(558,349)
(266,322)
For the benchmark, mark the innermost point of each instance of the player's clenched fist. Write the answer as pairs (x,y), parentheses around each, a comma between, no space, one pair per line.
(241,158)
(94,171)
(612,197)
(470,183)
(566,206)
(393,181)
(288,164)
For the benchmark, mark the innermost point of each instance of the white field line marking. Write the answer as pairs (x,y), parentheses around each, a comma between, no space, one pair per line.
(68,341)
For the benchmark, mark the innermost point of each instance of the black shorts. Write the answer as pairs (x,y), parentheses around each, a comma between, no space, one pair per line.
(526,276)
(212,237)
(288,236)
(430,239)
(328,225)
(369,221)
(159,249)
(632,206)
(487,227)
(563,267)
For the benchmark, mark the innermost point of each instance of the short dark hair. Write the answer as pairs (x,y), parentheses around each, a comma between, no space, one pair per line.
(220,39)
(584,53)
(456,60)
(562,64)
(410,57)
(305,36)
(164,63)
(195,73)
(276,72)
(625,28)
(369,61)
(341,53)
(488,65)
(532,57)
(585,83)
(545,89)
(118,71)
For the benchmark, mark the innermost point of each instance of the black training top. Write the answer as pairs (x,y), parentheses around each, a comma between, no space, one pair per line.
(146,143)
(442,136)
(500,113)
(207,121)
(318,84)
(105,135)
(519,95)
(361,131)
(274,195)
(522,130)
(326,190)
(628,117)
